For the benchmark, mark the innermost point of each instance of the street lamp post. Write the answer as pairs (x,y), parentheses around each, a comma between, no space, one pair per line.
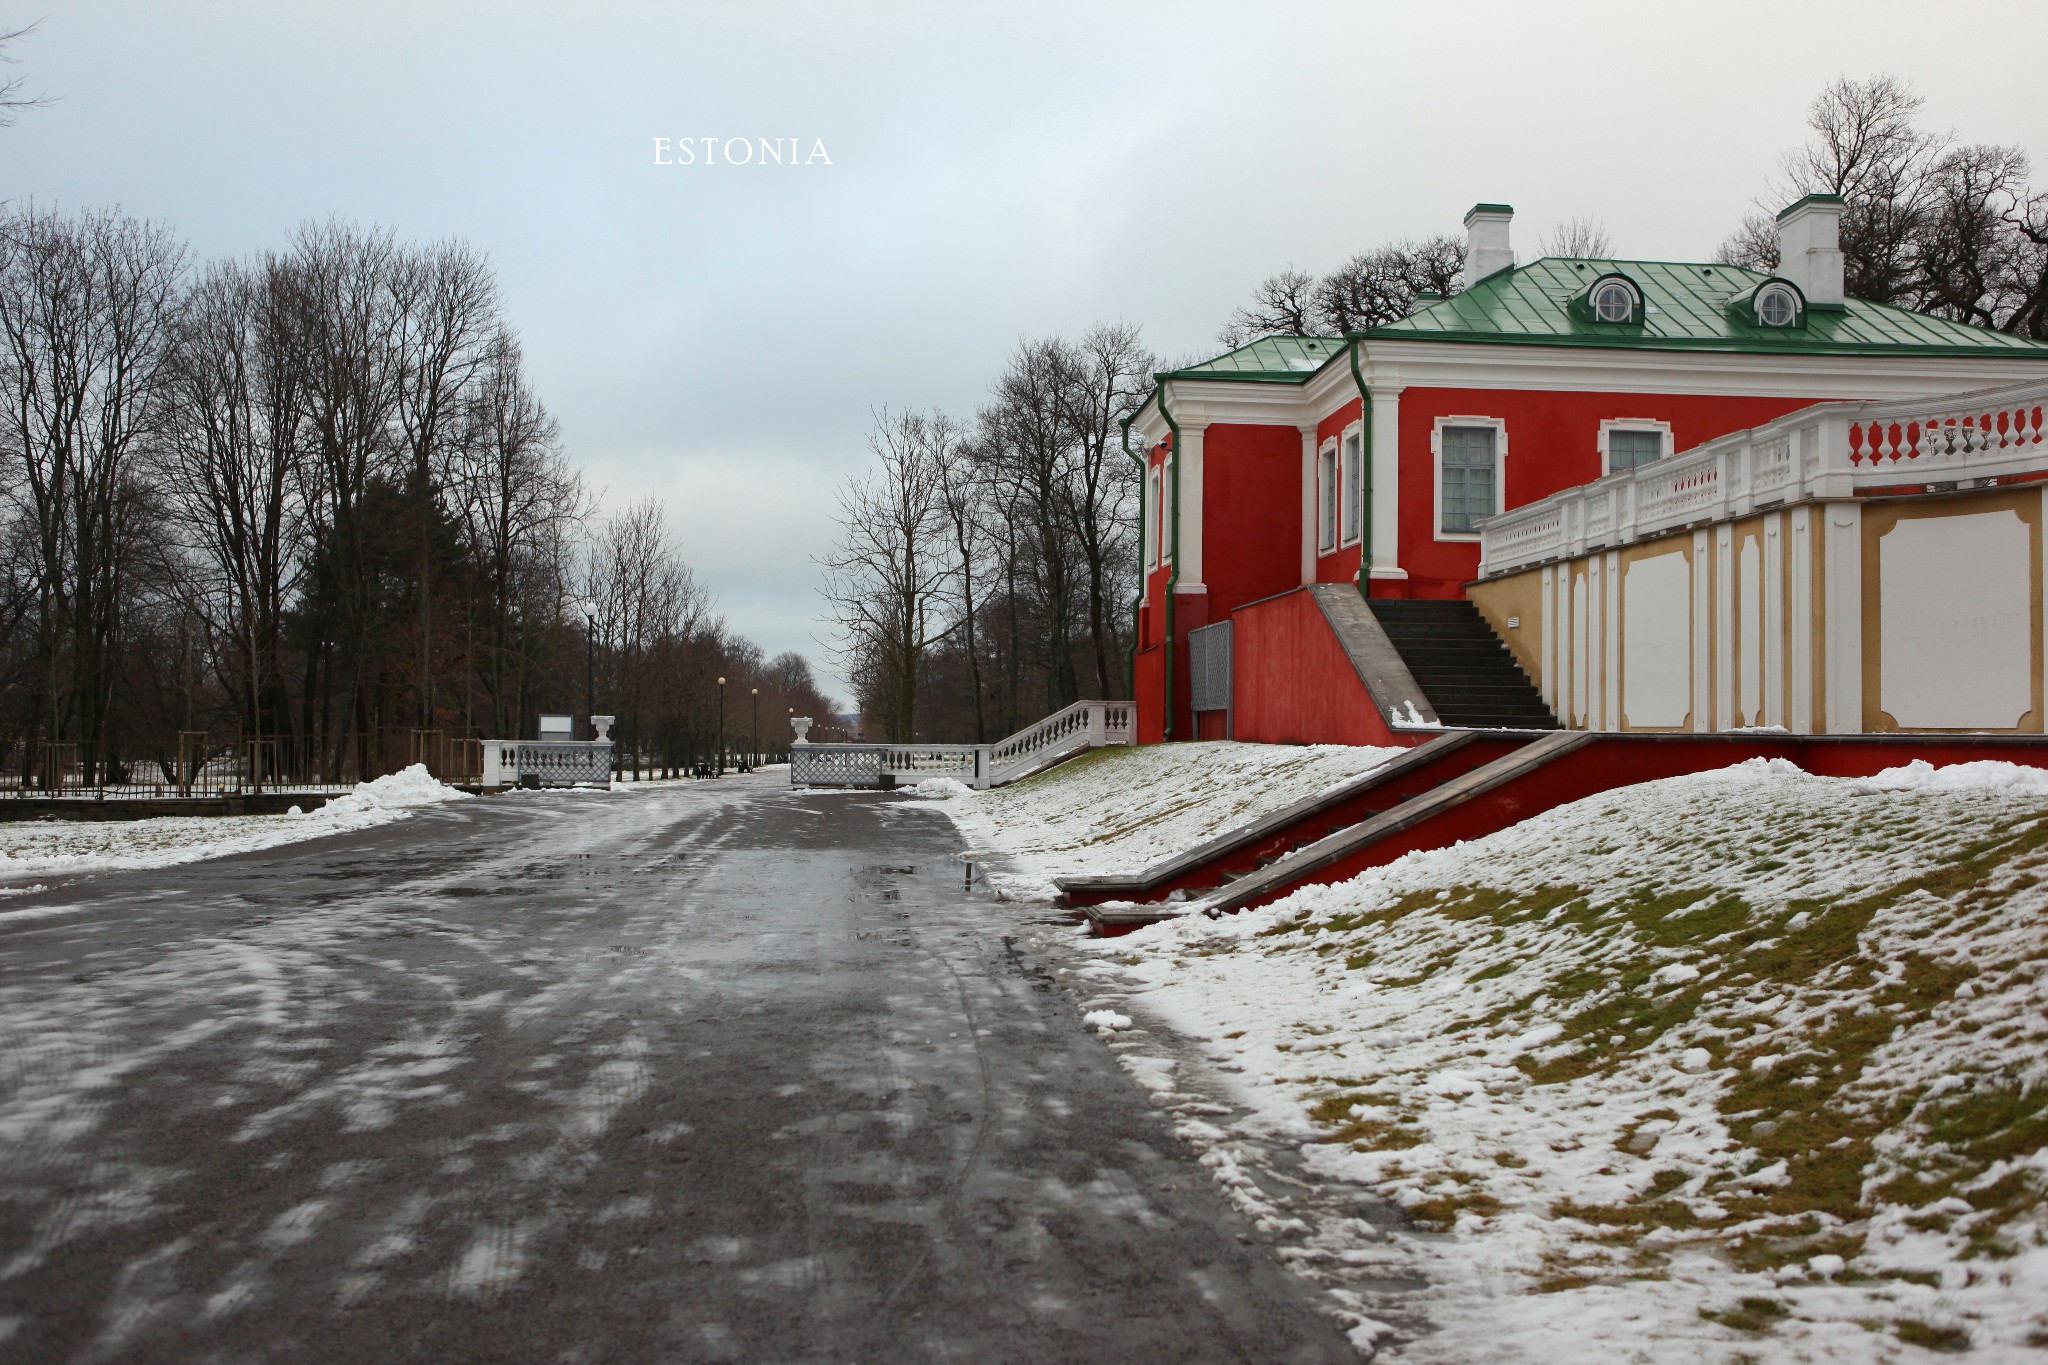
(721,727)
(755,743)
(590,662)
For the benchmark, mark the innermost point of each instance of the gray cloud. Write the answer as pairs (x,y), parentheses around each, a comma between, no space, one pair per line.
(720,334)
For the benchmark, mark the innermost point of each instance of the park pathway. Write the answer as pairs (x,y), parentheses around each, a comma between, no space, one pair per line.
(710,1072)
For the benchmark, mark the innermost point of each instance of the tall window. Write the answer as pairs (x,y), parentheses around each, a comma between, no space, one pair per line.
(1627,449)
(1326,484)
(1354,487)
(1152,518)
(1470,474)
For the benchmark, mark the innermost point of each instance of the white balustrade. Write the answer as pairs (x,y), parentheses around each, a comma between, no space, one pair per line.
(1843,449)
(1084,725)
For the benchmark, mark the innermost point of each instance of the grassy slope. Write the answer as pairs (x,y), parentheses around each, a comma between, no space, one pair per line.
(1703,1030)
(1114,810)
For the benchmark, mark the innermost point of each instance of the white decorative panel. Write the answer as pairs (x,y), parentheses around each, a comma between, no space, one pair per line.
(1581,658)
(1656,640)
(1955,621)
(1749,708)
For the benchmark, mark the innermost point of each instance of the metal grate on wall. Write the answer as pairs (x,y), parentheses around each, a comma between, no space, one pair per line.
(1209,667)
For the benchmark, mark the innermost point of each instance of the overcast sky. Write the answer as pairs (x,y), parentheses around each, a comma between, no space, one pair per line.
(718,334)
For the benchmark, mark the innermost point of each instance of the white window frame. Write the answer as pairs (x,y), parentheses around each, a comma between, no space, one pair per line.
(1791,296)
(1351,475)
(1601,286)
(1631,424)
(1152,518)
(1329,514)
(1436,464)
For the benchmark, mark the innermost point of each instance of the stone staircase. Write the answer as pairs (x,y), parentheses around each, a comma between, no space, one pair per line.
(1462,666)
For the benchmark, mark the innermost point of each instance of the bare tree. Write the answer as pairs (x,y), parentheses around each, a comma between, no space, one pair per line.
(1866,146)
(1282,305)
(967,520)
(519,504)
(1384,284)
(12,100)
(336,280)
(1579,239)
(446,308)
(887,578)
(88,308)
(1028,445)
(1963,258)
(232,469)
(648,604)
(1106,376)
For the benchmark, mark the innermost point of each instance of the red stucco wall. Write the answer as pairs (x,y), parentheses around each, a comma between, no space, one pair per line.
(1552,445)
(1190,611)
(1251,506)
(1293,682)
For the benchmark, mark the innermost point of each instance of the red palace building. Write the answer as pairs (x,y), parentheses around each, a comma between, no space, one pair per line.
(1324,500)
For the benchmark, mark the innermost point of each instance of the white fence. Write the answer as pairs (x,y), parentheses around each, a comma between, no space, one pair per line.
(1084,725)
(1831,450)
(551,763)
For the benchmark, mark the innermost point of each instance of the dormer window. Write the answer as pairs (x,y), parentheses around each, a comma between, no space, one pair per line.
(1614,301)
(1777,306)
(1774,303)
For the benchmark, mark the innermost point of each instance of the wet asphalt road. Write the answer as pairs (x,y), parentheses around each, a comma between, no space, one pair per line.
(688,1074)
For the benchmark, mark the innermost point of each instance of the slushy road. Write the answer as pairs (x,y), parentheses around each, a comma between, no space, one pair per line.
(714,1072)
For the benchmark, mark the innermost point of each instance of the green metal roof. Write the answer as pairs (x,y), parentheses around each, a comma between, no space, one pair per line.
(1686,309)
(1269,360)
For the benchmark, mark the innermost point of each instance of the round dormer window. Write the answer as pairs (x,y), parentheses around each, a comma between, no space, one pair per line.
(1614,302)
(1777,306)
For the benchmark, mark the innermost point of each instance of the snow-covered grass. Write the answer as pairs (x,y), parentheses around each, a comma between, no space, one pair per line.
(1744,1065)
(1120,809)
(43,847)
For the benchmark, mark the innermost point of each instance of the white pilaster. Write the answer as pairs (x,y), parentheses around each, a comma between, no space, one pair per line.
(1581,598)
(1800,543)
(1308,503)
(1724,626)
(1190,507)
(1843,527)
(1610,636)
(1702,632)
(1386,481)
(1774,618)
(1549,623)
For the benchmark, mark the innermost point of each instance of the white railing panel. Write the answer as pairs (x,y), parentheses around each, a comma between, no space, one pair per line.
(1831,450)
(1084,725)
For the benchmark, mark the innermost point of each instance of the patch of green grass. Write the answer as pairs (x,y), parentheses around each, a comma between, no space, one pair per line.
(1365,1134)
(1749,1315)
(1439,1212)
(1629,1220)
(1914,1332)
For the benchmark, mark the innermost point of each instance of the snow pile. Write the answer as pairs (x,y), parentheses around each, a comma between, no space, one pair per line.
(1748,1064)
(940,788)
(1121,809)
(31,848)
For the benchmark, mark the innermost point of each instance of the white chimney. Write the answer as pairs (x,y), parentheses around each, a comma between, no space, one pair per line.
(1486,241)
(1810,248)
